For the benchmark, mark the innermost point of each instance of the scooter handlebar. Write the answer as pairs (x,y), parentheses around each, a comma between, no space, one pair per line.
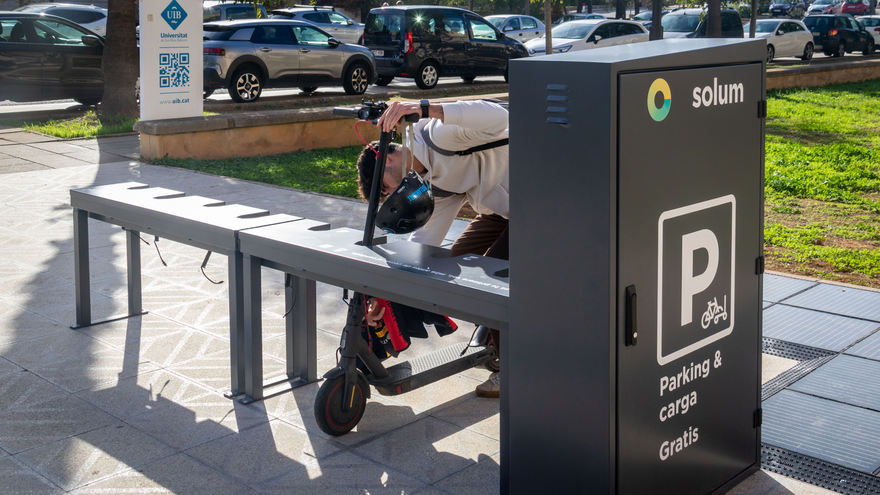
(346,112)
(361,113)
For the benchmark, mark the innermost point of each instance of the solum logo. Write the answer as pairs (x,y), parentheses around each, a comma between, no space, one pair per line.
(723,94)
(662,87)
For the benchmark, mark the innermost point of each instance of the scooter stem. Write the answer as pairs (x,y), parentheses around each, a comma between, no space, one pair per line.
(376,189)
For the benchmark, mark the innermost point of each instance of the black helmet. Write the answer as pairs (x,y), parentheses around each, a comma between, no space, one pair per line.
(408,208)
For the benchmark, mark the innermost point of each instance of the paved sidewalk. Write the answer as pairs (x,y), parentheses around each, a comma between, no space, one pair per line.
(136,406)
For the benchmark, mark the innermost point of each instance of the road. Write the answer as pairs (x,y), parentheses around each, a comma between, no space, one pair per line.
(70,108)
(64,108)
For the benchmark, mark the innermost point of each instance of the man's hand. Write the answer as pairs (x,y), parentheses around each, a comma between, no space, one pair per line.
(398,109)
(374,312)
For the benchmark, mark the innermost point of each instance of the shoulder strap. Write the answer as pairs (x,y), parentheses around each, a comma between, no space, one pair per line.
(483,147)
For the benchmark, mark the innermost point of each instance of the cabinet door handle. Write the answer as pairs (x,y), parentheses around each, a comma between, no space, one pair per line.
(632,331)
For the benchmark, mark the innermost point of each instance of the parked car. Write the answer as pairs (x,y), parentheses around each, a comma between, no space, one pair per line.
(691,23)
(855,7)
(88,16)
(785,38)
(230,10)
(247,56)
(578,16)
(519,27)
(790,8)
(839,34)
(824,7)
(647,16)
(426,43)
(45,57)
(872,24)
(337,24)
(592,33)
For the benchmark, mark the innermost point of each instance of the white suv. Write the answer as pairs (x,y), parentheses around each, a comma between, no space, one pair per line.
(337,24)
(88,16)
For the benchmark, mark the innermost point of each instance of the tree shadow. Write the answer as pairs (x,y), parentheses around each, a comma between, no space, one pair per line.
(114,416)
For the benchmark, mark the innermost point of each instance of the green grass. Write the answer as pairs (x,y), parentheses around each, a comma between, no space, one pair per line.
(326,170)
(823,181)
(88,125)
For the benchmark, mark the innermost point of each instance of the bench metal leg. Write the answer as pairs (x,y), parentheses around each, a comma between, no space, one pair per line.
(133,248)
(236,324)
(81,268)
(81,275)
(253,330)
(301,326)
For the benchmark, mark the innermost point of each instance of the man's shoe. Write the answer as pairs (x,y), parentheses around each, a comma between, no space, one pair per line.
(491,388)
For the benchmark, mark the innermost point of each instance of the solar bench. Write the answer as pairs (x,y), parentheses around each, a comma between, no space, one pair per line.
(193,220)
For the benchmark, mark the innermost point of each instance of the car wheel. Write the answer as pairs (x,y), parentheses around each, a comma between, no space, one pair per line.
(770,52)
(384,80)
(468,79)
(357,79)
(207,93)
(89,102)
(808,52)
(247,85)
(506,78)
(428,75)
(869,49)
(308,89)
(841,49)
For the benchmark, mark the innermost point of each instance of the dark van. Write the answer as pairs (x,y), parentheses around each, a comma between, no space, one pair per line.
(428,42)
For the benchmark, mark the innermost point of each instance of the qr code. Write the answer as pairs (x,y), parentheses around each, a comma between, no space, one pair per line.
(174,70)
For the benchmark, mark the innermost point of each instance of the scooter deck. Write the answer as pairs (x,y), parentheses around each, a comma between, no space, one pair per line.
(421,371)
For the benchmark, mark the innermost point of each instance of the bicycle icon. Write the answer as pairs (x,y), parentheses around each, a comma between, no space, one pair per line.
(714,311)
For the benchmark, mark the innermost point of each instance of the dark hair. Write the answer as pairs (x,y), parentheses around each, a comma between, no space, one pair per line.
(366,165)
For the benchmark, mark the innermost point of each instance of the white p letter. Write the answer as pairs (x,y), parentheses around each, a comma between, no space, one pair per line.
(692,284)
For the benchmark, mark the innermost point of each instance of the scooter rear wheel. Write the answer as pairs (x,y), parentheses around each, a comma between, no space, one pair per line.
(328,406)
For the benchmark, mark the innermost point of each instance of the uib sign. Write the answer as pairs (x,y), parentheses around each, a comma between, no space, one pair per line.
(171,59)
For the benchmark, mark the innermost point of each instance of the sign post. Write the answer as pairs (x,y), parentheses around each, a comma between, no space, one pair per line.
(171,59)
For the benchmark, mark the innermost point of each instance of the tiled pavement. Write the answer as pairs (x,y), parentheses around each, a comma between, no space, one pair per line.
(136,406)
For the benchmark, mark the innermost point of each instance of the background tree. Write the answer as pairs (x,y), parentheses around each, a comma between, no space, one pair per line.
(120,63)
(713,19)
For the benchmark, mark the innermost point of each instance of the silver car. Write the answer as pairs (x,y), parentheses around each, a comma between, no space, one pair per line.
(336,23)
(247,56)
(518,27)
(88,16)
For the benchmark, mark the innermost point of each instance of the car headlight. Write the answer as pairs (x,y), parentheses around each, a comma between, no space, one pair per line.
(562,49)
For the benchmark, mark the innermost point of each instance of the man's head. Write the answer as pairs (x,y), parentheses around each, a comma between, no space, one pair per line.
(366,165)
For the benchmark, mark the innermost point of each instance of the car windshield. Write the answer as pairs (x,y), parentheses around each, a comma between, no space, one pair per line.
(644,16)
(766,27)
(869,22)
(818,23)
(496,21)
(572,31)
(822,2)
(680,23)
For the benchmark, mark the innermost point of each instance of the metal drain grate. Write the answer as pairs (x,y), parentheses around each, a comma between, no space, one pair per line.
(792,375)
(818,472)
(790,350)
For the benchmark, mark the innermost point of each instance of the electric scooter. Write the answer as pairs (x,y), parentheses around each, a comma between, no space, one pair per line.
(342,398)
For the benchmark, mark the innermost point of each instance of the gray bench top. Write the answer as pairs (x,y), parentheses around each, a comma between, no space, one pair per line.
(194,220)
(474,288)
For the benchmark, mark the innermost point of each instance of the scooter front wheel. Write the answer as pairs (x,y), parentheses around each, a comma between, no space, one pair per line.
(330,416)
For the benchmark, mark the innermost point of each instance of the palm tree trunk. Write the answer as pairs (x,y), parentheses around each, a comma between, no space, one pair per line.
(713,21)
(120,63)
